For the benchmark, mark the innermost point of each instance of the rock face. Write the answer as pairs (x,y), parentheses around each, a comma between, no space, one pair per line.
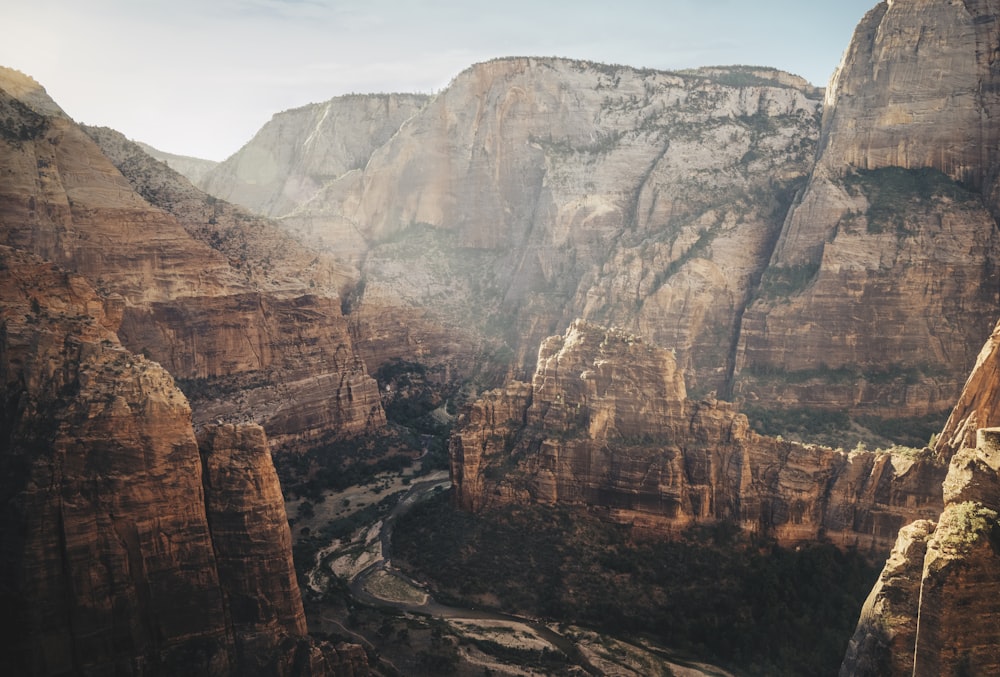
(934,608)
(194,169)
(885,276)
(125,550)
(299,151)
(533,191)
(606,423)
(889,106)
(843,265)
(246,319)
(978,406)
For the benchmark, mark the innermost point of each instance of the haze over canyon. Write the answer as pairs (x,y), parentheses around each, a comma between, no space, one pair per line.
(671,300)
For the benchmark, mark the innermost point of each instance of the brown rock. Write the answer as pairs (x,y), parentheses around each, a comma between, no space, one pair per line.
(933,609)
(122,550)
(606,424)
(252,542)
(246,317)
(977,406)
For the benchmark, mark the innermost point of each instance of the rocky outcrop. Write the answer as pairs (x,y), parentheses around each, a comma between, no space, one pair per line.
(934,607)
(606,423)
(245,317)
(299,151)
(122,548)
(917,88)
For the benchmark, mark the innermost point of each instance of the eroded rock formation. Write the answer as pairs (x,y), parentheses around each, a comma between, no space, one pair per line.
(122,548)
(691,208)
(247,319)
(606,423)
(934,608)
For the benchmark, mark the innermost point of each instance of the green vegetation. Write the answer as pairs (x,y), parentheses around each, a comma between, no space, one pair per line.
(963,524)
(894,192)
(838,428)
(19,123)
(714,595)
(335,465)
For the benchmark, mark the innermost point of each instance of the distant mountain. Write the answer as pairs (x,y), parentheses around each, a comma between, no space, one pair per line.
(300,150)
(193,168)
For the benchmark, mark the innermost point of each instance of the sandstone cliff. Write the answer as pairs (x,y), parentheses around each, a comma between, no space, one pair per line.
(978,406)
(691,208)
(884,278)
(606,423)
(246,318)
(122,548)
(532,191)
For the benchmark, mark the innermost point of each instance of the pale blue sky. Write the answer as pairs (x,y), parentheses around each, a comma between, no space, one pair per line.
(200,77)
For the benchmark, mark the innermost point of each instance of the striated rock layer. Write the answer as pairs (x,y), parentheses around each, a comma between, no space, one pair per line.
(532,191)
(246,319)
(979,405)
(606,423)
(122,548)
(843,266)
(885,276)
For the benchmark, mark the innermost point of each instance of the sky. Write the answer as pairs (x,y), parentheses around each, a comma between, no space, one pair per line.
(200,77)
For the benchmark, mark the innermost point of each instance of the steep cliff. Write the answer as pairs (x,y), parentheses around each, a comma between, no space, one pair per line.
(119,551)
(532,191)
(884,278)
(606,423)
(978,405)
(934,609)
(300,150)
(692,208)
(247,319)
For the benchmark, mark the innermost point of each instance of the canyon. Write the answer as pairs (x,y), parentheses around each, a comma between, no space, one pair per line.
(635,284)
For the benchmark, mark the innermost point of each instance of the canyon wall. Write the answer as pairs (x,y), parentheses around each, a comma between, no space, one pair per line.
(125,548)
(803,257)
(885,276)
(248,320)
(606,424)
(532,191)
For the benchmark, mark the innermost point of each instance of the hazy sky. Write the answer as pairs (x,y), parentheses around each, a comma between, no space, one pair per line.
(200,77)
